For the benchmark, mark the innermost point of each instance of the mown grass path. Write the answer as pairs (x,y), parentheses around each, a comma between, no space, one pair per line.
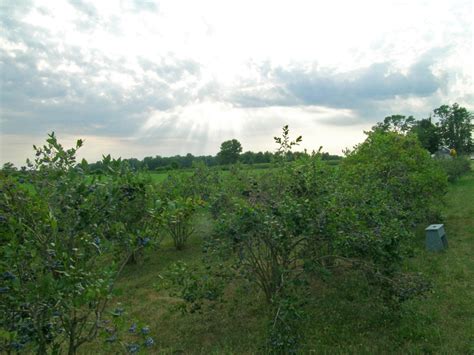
(452,301)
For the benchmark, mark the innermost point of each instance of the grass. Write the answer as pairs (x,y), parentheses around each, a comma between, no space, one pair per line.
(344,318)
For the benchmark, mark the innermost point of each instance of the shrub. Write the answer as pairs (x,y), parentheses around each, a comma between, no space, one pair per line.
(264,226)
(195,286)
(386,186)
(176,216)
(399,166)
(128,202)
(454,167)
(57,250)
(60,279)
(203,181)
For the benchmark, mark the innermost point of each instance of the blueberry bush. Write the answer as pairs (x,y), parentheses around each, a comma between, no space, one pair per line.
(62,249)
(176,217)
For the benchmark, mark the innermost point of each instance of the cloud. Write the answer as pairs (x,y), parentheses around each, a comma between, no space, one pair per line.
(171,69)
(108,69)
(86,8)
(308,85)
(88,18)
(139,5)
(48,84)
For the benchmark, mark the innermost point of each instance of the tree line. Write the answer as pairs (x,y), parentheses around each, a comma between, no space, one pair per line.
(448,126)
(230,153)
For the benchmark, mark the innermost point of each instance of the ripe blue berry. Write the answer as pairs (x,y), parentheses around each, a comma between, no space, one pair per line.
(145,330)
(149,342)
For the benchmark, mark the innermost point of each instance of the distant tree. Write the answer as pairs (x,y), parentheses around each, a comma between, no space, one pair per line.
(174,165)
(187,161)
(327,156)
(148,162)
(267,157)
(247,157)
(259,157)
(134,163)
(230,151)
(9,167)
(428,134)
(455,125)
(395,123)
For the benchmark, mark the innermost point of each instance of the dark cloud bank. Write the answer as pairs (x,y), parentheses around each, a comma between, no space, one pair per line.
(349,90)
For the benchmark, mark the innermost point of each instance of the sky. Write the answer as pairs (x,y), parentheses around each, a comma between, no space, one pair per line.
(137,78)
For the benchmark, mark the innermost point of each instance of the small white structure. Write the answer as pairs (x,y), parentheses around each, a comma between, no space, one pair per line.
(443,152)
(436,239)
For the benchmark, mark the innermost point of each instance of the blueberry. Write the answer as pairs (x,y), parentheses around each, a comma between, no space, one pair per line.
(145,330)
(7,275)
(110,330)
(118,312)
(111,339)
(149,342)
(16,346)
(56,265)
(133,348)
(144,241)
(132,328)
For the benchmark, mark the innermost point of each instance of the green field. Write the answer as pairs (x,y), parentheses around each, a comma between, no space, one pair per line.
(254,169)
(343,315)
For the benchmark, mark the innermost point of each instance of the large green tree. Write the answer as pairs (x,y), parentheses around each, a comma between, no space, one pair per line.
(230,152)
(428,134)
(395,123)
(455,125)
